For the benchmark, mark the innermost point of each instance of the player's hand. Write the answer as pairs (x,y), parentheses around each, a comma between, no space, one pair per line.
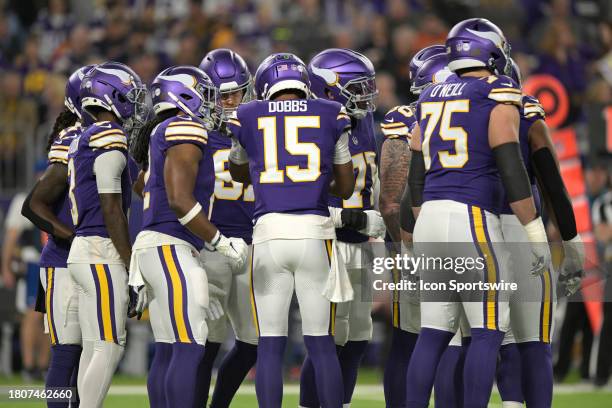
(541,258)
(572,266)
(234,248)
(375,226)
(139,300)
(354,219)
(214,310)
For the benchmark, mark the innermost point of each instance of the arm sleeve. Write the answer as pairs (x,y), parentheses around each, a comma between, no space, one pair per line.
(342,154)
(416,178)
(512,171)
(108,168)
(238,154)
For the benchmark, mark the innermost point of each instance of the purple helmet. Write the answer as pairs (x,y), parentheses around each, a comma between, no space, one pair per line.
(423,55)
(229,73)
(478,43)
(115,87)
(345,76)
(432,71)
(515,72)
(187,89)
(72,100)
(279,72)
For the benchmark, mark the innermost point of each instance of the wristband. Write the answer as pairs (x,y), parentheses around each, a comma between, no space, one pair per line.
(186,219)
(536,231)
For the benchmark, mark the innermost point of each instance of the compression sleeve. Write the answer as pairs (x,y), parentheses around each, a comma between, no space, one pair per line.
(342,154)
(108,168)
(406,215)
(512,171)
(416,178)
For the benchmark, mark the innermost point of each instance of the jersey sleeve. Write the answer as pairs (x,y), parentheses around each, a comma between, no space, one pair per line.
(185,130)
(58,153)
(108,136)
(503,89)
(532,108)
(398,123)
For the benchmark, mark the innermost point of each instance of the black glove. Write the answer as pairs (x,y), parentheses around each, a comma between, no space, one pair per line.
(354,219)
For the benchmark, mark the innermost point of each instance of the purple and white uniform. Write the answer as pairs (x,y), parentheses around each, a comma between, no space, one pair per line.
(462,189)
(63,323)
(291,146)
(97,164)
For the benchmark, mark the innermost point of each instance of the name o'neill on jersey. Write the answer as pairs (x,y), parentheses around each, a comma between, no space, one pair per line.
(447,90)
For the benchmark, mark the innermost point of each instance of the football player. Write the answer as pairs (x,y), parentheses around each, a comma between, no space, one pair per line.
(532,310)
(348,77)
(166,267)
(99,194)
(396,210)
(454,185)
(47,207)
(231,211)
(294,150)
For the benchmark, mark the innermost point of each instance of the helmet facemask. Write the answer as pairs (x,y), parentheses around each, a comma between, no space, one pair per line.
(224,113)
(137,96)
(361,95)
(209,99)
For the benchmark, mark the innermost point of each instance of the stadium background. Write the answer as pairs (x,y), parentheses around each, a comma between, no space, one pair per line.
(563,47)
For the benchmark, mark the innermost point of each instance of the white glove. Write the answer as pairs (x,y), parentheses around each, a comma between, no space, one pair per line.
(234,248)
(572,265)
(214,310)
(536,233)
(335,214)
(376,225)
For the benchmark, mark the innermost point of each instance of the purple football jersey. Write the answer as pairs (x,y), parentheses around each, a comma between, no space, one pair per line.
(362,146)
(85,208)
(54,254)
(530,112)
(157,214)
(291,146)
(399,123)
(454,126)
(233,203)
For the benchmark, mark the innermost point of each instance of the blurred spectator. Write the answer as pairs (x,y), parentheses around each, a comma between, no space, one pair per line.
(18,119)
(53,26)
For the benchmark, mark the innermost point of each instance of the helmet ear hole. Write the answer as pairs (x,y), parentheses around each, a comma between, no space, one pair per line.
(186,96)
(120,97)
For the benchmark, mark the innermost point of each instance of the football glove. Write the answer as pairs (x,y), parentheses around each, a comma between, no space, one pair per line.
(375,226)
(536,233)
(234,248)
(214,310)
(139,300)
(572,266)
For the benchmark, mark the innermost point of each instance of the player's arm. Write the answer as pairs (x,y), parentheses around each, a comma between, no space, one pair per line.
(139,184)
(343,183)
(394,164)
(108,168)
(416,174)
(547,172)
(38,206)
(239,163)
(180,173)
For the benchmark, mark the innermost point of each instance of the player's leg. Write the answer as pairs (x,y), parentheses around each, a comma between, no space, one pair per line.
(243,355)
(318,323)
(360,334)
(219,273)
(440,313)
(509,373)
(187,287)
(489,317)
(61,304)
(272,284)
(105,294)
(406,318)
(532,318)
(448,385)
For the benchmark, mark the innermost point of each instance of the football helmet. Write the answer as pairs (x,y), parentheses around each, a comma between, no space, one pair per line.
(515,72)
(72,99)
(432,71)
(345,76)
(115,87)
(187,89)
(229,73)
(423,55)
(280,72)
(478,43)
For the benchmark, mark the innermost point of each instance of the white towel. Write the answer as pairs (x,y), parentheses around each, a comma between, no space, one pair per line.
(338,288)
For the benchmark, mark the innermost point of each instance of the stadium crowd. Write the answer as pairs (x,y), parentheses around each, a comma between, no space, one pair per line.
(41,42)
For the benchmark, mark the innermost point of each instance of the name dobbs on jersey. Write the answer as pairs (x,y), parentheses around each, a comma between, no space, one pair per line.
(287,106)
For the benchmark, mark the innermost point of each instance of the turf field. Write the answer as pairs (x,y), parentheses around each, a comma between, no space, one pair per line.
(131,393)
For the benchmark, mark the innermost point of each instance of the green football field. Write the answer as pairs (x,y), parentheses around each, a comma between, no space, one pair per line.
(131,393)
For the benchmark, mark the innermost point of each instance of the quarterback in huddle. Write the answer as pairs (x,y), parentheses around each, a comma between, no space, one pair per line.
(258,185)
